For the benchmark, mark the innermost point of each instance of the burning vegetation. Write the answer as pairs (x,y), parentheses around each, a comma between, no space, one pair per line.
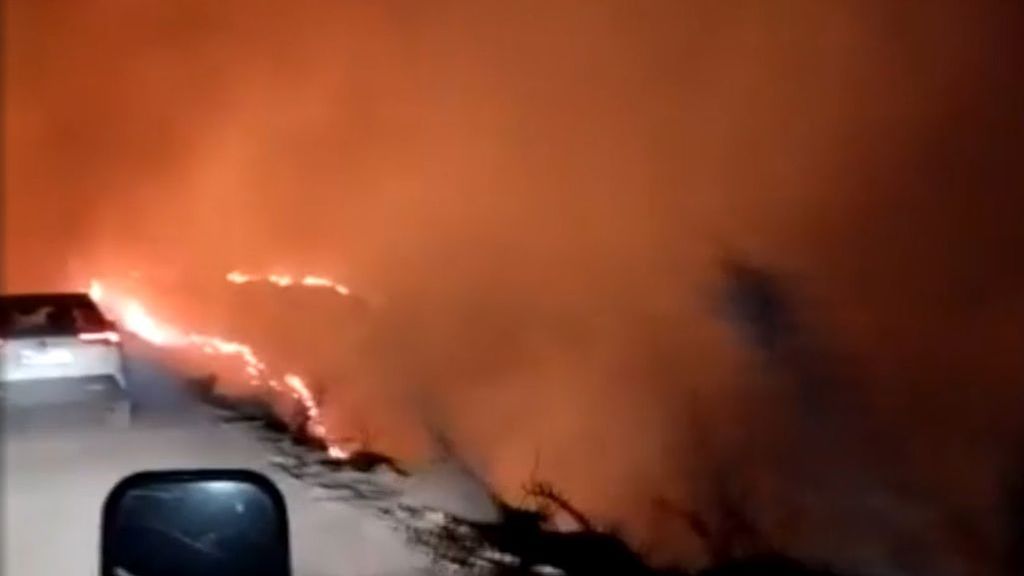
(545,193)
(136,318)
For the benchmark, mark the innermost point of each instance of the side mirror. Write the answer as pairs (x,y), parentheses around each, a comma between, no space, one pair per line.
(195,523)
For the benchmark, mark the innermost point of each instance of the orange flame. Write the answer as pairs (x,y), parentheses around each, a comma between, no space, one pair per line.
(285,280)
(135,318)
(95,290)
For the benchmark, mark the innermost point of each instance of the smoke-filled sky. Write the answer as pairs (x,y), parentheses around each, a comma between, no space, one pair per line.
(542,193)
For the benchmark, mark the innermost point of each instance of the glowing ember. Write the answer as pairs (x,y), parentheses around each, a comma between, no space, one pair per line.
(237,277)
(338,453)
(135,318)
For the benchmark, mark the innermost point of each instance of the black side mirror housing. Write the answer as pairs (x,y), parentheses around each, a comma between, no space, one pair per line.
(195,523)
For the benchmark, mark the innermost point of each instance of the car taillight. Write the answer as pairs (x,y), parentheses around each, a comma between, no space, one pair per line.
(105,337)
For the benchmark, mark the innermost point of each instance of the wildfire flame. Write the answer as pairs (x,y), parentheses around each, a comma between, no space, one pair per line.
(284,280)
(137,319)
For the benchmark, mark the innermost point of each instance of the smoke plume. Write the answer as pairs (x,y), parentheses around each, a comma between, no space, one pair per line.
(541,198)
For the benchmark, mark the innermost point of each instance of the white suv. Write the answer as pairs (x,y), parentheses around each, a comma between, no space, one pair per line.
(60,351)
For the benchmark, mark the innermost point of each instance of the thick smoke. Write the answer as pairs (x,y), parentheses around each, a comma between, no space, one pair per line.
(542,197)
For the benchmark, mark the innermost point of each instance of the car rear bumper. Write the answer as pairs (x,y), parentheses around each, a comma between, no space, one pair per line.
(61,392)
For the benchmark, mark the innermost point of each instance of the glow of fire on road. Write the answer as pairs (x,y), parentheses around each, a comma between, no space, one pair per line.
(136,318)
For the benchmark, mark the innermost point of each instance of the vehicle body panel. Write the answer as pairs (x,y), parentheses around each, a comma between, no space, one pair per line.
(58,349)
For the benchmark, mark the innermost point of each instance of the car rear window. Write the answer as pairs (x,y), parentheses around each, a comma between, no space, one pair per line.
(50,315)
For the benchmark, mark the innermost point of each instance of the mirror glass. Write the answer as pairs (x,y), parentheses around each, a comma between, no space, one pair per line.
(197,524)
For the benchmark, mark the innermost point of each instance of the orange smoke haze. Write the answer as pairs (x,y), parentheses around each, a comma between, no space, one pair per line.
(536,197)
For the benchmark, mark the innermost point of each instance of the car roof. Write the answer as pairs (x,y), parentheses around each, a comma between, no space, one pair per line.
(46,298)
